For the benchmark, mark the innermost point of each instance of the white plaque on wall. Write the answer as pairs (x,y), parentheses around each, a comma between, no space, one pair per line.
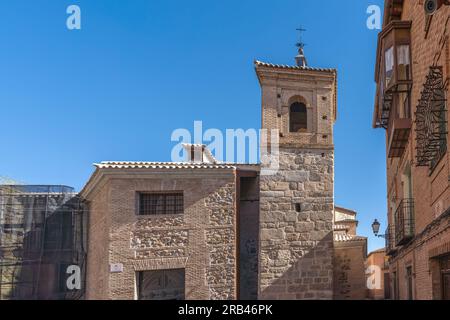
(116,267)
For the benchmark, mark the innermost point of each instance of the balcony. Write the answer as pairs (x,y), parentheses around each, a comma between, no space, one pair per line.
(390,241)
(398,137)
(399,126)
(393,72)
(404,222)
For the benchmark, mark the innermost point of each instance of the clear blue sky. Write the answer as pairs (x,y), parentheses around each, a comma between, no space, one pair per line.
(139,69)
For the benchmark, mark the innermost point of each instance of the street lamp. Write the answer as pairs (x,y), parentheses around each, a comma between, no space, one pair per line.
(376,229)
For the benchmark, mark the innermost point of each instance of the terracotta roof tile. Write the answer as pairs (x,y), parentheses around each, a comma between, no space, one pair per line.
(339,227)
(348,238)
(160,165)
(282,66)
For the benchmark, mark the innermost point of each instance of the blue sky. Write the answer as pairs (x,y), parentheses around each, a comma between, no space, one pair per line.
(139,69)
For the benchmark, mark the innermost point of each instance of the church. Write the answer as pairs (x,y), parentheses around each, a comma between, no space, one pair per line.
(203,229)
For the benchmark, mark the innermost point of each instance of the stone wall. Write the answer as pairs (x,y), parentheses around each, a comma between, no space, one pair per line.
(202,240)
(296,219)
(297,203)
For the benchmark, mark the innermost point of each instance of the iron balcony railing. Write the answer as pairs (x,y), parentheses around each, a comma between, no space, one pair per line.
(404,222)
(390,240)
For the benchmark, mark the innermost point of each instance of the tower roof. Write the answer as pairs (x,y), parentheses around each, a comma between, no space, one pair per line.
(283,66)
(300,59)
(275,71)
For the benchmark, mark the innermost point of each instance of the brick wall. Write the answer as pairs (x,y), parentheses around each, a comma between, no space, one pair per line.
(377,259)
(431,191)
(427,49)
(202,240)
(420,255)
(97,271)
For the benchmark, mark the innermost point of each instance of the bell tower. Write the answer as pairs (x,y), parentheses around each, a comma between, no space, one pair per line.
(297,201)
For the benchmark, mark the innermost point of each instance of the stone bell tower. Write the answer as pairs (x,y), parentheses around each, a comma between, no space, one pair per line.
(297,201)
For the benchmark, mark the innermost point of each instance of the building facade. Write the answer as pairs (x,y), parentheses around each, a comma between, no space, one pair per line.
(200,229)
(297,203)
(377,273)
(412,72)
(207,230)
(170,231)
(350,251)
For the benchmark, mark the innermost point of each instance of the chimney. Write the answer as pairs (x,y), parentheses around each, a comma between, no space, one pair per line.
(199,153)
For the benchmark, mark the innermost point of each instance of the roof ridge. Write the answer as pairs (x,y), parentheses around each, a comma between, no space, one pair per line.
(348,238)
(284,66)
(161,165)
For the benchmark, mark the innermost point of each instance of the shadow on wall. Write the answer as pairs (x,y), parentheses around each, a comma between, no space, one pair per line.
(309,277)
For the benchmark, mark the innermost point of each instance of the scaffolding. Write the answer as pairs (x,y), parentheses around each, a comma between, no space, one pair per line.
(42,234)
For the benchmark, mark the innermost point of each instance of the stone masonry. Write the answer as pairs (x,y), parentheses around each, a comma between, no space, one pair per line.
(226,206)
(297,203)
(202,240)
(297,246)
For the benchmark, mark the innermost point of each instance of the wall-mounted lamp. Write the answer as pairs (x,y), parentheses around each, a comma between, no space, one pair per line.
(376,229)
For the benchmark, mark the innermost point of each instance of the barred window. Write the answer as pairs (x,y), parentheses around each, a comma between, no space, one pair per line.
(431,120)
(160,203)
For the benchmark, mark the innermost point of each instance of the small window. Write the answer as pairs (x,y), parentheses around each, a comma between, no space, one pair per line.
(389,65)
(298,117)
(403,62)
(160,203)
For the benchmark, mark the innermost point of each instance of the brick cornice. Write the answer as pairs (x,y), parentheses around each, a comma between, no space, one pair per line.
(101,176)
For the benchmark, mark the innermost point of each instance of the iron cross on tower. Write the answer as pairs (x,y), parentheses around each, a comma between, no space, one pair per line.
(300,43)
(300,59)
